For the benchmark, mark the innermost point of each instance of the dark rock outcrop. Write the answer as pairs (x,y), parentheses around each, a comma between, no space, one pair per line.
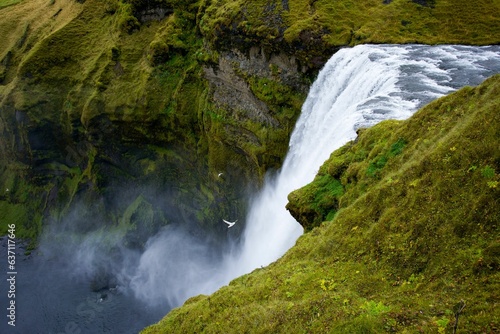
(153,14)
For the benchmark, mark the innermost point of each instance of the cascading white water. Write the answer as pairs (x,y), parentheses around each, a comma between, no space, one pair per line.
(358,87)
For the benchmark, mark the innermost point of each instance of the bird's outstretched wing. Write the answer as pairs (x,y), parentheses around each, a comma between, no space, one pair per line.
(230,224)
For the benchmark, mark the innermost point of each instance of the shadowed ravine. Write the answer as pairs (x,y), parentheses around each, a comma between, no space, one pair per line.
(357,88)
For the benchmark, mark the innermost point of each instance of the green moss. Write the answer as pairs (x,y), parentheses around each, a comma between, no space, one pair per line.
(13,214)
(317,201)
(20,206)
(5,3)
(378,163)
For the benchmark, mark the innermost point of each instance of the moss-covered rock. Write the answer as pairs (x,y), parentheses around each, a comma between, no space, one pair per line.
(90,107)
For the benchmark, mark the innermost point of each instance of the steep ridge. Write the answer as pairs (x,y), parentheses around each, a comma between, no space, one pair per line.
(411,244)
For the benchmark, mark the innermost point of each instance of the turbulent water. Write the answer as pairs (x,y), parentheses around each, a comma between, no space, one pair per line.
(358,87)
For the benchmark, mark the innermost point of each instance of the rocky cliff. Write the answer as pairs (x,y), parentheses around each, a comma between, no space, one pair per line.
(131,109)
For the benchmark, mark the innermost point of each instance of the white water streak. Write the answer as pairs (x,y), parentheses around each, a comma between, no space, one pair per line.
(358,87)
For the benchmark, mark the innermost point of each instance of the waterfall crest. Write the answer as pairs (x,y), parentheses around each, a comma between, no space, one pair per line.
(358,87)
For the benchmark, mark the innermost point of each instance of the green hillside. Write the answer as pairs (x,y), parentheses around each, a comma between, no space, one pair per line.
(131,109)
(402,237)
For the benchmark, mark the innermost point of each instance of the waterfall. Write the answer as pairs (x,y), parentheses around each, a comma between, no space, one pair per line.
(358,87)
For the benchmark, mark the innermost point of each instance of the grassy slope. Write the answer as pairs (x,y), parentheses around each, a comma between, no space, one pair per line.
(23,27)
(6,3)
(68,63)
(410,238)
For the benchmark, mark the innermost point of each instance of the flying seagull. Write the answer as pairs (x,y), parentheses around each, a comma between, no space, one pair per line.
(219,175)
(229,223)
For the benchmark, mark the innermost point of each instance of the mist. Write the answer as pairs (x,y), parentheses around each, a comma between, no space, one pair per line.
(173,265)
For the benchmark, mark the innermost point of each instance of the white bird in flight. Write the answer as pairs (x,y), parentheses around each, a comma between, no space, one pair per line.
(220,174)
(229,223)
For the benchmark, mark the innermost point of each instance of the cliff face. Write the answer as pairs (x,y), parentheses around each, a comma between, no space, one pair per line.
(410,245)
(139,98)
(103,102)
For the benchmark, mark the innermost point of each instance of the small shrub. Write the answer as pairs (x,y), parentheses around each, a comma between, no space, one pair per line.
(158,52)
(492,184)
(115,53)
(373,308)
(442,323)
(327,284)
(488,172)
(128,22)
(375,166)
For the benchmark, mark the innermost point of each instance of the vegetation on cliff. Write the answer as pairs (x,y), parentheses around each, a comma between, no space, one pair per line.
(403,236)
(97,96)
(311,30)
(102,96)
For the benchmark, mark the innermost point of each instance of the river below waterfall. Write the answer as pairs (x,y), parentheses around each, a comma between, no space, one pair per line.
(358,87)
(51,300)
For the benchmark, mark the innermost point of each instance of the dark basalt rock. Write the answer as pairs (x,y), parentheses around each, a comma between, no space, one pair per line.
(153,14)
